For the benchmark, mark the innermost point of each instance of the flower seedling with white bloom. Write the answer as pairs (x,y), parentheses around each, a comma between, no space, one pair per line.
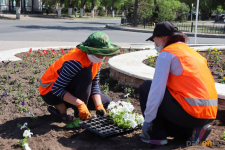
(27,133)
(26,146)
(30,114)
(127,95)
(121,113)
(22,126)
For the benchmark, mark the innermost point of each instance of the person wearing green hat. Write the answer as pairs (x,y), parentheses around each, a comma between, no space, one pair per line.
(72,80)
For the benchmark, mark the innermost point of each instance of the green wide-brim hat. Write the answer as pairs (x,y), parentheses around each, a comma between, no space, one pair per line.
(98,43)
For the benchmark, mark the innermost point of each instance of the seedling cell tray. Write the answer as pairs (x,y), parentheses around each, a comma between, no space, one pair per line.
(104,127)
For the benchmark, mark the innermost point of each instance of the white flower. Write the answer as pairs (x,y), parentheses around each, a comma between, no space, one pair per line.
(119,108)
(30,114)
(140,119)
(133,123)
(126,116)
(111,105)
(113,110)
(127,95)
(27,133)
(26,146)
(25,124)
(129,108)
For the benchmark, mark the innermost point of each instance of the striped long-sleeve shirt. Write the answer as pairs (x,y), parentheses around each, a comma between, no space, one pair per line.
(69,70)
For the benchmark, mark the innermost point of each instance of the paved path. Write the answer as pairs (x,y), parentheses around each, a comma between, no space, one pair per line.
(33,32)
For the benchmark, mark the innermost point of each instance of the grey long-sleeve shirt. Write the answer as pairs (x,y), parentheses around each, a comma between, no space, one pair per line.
(166,63)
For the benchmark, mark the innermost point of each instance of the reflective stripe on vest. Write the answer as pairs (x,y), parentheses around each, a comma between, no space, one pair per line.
(201,102)
(44,85)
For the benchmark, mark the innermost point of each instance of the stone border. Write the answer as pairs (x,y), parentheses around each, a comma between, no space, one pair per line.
(129,69)
(119,27)
(10,54)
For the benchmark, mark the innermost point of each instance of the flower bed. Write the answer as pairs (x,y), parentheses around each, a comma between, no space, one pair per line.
(215,61)
(20,102)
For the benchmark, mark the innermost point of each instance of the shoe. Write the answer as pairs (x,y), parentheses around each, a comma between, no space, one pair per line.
(201,133)
(151,141)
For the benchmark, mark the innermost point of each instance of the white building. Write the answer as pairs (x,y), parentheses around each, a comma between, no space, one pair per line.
(27,6)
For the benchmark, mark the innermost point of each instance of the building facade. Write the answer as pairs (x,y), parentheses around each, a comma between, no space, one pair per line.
(26,6)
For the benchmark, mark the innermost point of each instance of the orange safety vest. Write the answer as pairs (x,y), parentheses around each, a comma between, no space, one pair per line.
(195,88)
(49,77)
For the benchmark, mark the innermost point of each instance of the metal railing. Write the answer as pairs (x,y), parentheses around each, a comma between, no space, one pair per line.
(182,26)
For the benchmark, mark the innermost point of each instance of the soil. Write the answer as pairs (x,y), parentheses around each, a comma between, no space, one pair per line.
(214,68)
(48,133)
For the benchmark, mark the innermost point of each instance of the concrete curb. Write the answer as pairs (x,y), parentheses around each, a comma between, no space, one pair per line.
(138,70)
(118,27)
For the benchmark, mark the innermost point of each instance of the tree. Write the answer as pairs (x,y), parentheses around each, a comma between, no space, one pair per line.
(83,2)
(136,13)
(167,9)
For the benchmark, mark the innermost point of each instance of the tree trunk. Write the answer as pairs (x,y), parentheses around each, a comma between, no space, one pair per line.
(70,12)
(136,13)
(82,8)
(81,12)
(18,9)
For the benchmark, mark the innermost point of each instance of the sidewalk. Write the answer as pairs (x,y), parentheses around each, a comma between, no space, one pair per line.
(52,16)
(118,27)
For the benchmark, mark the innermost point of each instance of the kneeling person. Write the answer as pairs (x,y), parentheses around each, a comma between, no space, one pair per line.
(72,80)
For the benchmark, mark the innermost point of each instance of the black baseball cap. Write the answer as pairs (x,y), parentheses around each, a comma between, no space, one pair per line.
(164,28)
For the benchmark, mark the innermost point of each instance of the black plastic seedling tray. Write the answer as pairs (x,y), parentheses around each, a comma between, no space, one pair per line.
(103,126)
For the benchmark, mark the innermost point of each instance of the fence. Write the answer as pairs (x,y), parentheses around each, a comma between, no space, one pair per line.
(182,26)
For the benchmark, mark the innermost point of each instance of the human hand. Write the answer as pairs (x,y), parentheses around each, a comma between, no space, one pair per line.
(84,113)
(100,110)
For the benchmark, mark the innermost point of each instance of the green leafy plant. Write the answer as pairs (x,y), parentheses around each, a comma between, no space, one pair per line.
(105,88)
(223,137)
(129,90)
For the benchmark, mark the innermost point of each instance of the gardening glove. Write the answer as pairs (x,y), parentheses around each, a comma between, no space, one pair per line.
(100,110)
(84,113)
(146,129)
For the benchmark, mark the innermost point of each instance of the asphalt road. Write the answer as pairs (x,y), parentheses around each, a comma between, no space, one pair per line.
(36,29)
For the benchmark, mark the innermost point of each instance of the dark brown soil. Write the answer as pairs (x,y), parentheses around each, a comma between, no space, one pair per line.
(49,134)
(214,68)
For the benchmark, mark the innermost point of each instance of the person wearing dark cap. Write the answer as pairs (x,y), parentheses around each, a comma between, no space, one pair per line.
(72,80)
(181,100)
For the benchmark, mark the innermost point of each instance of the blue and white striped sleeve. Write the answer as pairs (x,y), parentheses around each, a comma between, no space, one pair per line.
(69,70)
(95,87)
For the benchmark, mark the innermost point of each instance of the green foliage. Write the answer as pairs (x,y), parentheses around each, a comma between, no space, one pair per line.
(167,9)
(129,90)
(101,12)
(21,143)
(223,137)
(22,108)
(118,87)
(105,88)
(145,9)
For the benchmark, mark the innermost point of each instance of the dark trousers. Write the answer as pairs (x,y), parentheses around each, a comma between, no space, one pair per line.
(171,120)
(80,87)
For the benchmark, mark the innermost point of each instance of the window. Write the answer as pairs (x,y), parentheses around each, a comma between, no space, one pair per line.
(2,2)
(14,3)
(26,2)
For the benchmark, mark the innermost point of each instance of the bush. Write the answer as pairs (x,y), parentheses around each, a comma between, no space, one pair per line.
(101,12)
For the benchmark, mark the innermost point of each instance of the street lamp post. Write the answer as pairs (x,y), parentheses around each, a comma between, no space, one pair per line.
(196,22)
